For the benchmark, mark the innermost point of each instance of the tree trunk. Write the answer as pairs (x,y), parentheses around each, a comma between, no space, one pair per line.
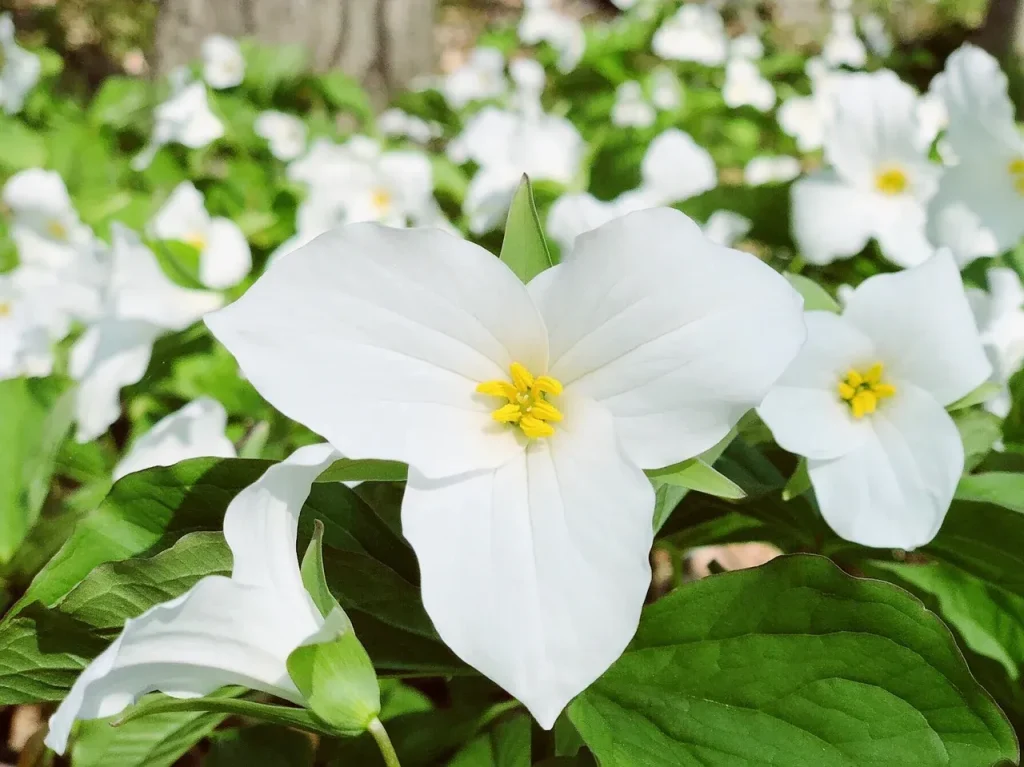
(382,43)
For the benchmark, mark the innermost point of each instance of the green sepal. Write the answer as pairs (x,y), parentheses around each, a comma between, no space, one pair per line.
(524,249)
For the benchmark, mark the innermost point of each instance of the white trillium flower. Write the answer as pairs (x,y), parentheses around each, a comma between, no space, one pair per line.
(843,46)
(526,413)
(223,631)
(801,117)
(481,77)
(26,329)
(694,33)
(979,208)
(865,399)
(674,168)
(744,86)
(765,169)
(223,62)
(141,304)
(880,180)
(631,108)
(726,227)
(395,122)
(185,118)
(285,133)
(195,431)
(666,90)
(999,313)
(19,69)
(932,116)
(224,255)
(747,46)
(543,23)
(876,33)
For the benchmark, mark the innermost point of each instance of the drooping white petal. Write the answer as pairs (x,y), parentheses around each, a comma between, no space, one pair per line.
(573,214)
(489,196)
(218,633)
(194,431)
(675,168)
(226,259)
(386,333)
(726,227)
(830,218)
(534,573)
(652,320)
(923,328)
(183,216)
(804,410)
(893,490)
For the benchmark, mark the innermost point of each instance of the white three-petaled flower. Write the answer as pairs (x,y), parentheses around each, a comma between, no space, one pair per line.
(19,69)
(223,631)
(285,133)
(223,62)
(526,413)
(185,118)
(865,399)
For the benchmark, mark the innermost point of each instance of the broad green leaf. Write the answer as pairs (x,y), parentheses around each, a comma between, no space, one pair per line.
(524,249)
(41,654)
(269,67)
(983,393)
(1003,488)
(979,431)
(286,716)
(20,147)
(792,663)
(364,470)
(119,102)
(336,677)
(262,746)
(799,483)
(816,298)
(506,744)
(695,474)
(346,94)
(156,741)
(313,577)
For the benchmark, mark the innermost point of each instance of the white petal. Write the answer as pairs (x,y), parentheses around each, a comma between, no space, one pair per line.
(830,218)
(183,216)
(535,573)
(804,410)
(385,334)
(194,431)
(226,260)
(110,355)
(218,633)
(489,196)
(675,168)
(894,490)
(923,328)
(655,322)
(573,214)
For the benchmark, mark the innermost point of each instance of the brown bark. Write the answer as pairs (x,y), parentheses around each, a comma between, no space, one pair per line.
(382,43)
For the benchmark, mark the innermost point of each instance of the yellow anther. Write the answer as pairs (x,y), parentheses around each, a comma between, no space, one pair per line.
(891,181)
(5,308)
(56,229)
(527,406)
(862,391)
(380,199)
(1016,169)
(197,240)
(521,377)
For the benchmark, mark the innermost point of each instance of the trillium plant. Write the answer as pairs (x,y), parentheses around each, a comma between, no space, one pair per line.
(639,391)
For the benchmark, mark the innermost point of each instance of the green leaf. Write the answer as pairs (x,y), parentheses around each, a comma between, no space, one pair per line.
(268,67)
(119,102)
(1002,488)
(799,483)
(793,663)
(336,677)
(696,474)
(313,577)
(979,431)
(983,393)
(262,712)
(506,744)
(816,299)
(20,147)
(263,745)
(344,93)
(41,655)
(524,249)
(364,470)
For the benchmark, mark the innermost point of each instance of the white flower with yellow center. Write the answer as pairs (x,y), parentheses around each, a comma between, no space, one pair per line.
(224,255)
(880,180)
(223,62)
(979,208)
(184,118)
(526,413)
(19,69)
(864,401)
(285,133)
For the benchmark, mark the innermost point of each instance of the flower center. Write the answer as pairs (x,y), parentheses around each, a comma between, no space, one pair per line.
(891,181)
(56,229)
(1016,168)
(196,240)
(5,309)
(381,199)
(862,391)
(527,405)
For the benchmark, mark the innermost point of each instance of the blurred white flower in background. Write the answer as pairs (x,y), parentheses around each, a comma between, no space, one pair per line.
(631,108)
(744,86)
(543,23)
(805,117)
(768,169)
(223,62)
(666,90)
(481,77)
(573,214)
(864,401)
(29,325)
(879,182)
(140,304)
(932,117)
(999,312)
(19,69)
(843,46)
(693,33)
(979,208)
(726,227)
(285,133)
(194,431)
(395,122)
(185,118)
(224,255)
(876,34)
(746,46)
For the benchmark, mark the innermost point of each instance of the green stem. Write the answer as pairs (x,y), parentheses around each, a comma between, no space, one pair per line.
(384,743)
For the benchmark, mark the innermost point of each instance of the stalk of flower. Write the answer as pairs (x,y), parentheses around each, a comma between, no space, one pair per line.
(526,413)
(864,402)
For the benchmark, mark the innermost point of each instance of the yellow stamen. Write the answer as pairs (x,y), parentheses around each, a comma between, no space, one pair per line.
(380,198)
(1016,169)
(863,391)
(891,180)
(197,240)
(5,308)
(527,406)
(56,229)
